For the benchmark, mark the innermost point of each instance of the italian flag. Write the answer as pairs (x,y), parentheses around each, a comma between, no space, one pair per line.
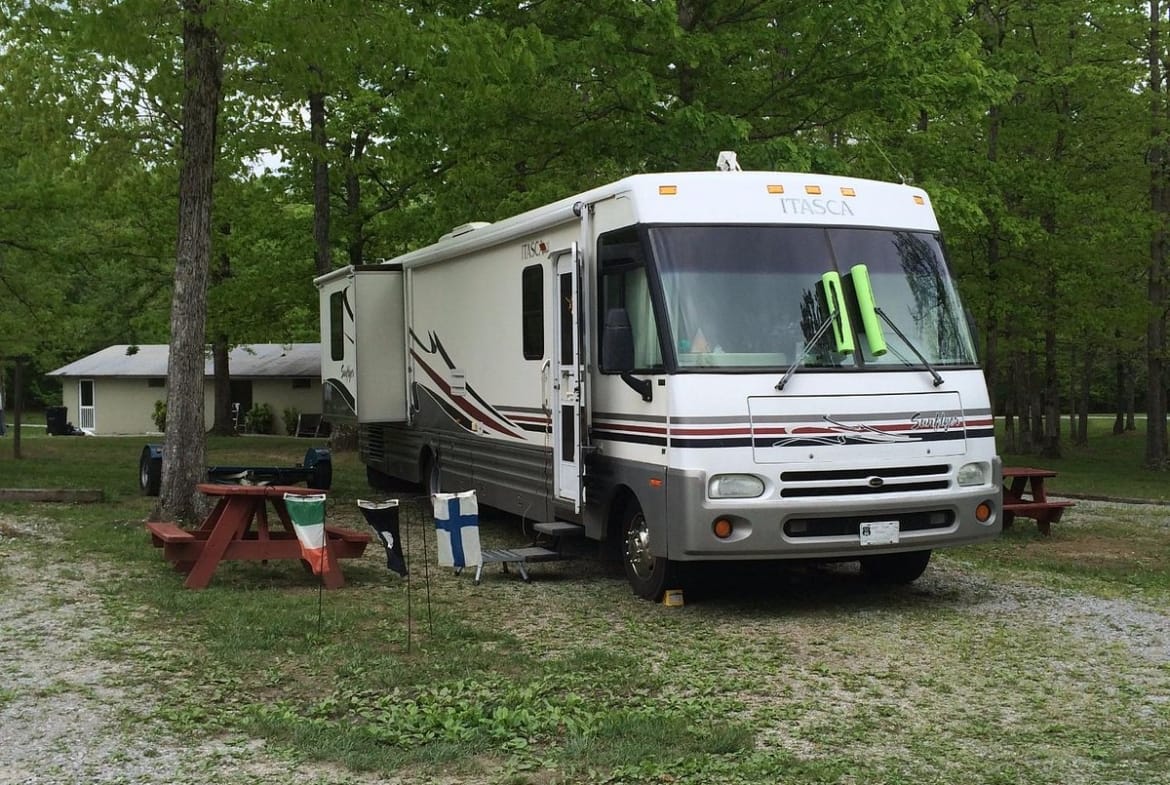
(308,519)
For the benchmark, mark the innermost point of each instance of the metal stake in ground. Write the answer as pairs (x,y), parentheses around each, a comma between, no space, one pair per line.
(307,513)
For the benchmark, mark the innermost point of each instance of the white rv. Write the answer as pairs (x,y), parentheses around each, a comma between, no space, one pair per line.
(700,366)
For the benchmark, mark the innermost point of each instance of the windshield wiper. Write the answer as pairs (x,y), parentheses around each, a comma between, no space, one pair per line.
(863,290)
(834,304)
(938,380)
(807,348)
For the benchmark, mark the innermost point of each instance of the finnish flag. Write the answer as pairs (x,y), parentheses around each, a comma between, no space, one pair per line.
(457,529)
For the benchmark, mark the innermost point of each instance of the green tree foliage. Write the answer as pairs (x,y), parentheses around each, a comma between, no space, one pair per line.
(1031,124)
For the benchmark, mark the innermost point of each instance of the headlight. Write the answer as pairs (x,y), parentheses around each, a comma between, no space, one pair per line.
(735,486)
(972,474)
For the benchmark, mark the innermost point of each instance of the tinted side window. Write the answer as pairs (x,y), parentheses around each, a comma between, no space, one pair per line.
(532,311)
(337,326)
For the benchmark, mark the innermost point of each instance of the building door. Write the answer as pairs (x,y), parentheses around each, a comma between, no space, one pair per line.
(568,378)
(86,407)
(241,394)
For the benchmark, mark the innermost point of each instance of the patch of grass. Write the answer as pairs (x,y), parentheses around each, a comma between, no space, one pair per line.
(1099,549)
(1110,465)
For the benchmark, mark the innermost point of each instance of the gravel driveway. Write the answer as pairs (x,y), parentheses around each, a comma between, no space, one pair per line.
(71,712)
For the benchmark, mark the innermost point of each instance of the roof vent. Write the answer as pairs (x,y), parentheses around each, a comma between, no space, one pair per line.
(727,162)
(463,229)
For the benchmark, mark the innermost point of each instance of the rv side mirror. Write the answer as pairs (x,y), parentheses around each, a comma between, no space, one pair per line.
(617,343)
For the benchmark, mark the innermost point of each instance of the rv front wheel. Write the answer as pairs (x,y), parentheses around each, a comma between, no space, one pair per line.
(430,475)
(649,575)
(895,568)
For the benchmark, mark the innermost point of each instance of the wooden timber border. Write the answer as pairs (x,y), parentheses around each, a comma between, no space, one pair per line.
(52,495)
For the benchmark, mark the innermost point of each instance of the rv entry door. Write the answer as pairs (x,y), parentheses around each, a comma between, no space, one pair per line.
(568,379)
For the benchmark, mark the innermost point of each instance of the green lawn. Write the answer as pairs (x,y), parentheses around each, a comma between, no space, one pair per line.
(1109,466)
(982,672)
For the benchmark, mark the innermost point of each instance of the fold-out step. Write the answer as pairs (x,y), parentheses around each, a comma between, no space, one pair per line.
(559,529)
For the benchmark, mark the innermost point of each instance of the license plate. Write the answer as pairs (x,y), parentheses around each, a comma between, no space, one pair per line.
(879,532)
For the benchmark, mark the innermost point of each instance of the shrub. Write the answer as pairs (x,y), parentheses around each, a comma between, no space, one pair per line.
(291,415)
(259,418)
(160,415)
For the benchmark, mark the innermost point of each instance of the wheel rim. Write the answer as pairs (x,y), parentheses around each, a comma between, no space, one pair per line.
(638,555)
(144,474)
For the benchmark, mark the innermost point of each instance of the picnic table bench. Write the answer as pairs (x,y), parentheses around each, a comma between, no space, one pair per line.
(1024,495)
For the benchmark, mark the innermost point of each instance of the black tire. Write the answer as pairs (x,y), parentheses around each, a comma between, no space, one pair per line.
(895,569)
(649,576)
(150,470)
(378,479)
(431,475)
(321,476)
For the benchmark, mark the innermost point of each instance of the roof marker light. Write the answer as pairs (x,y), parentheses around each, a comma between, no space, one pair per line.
(812,190)
(918,199)
(775,189)
(667,190)
(848,191)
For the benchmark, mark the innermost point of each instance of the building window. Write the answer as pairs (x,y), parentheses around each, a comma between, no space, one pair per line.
(156,382)
(302,383)
(532,311)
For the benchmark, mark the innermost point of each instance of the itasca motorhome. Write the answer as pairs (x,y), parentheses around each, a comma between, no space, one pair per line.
(699,366)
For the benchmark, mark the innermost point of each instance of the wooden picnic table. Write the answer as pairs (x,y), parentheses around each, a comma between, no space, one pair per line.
(238,530)
(1024,495)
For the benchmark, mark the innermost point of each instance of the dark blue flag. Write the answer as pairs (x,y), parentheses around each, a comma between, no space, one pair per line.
(383,517)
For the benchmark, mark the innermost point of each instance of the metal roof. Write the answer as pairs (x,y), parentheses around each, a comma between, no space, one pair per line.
(253,360)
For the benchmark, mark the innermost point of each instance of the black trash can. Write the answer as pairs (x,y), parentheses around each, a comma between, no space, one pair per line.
(57,420)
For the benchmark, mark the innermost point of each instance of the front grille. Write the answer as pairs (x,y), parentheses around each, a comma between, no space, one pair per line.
(851,525)
(859,482)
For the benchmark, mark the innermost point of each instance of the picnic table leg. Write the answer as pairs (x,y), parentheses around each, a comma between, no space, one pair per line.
(1043,523)
(331,574)
(229,522)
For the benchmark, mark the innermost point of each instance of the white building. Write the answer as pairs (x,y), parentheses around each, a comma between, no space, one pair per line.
(114,391)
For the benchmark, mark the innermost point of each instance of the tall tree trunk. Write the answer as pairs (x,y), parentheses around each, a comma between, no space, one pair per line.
(185,448)
(1074,398)
(1050,446)
(1156,443)
(1086,392)
(17,406)
(1119,390)
(353,199)
(322,253)
(991,356)
(224,424)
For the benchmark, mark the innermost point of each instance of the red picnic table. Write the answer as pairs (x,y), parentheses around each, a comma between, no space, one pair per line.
(1024,495)
(238,530)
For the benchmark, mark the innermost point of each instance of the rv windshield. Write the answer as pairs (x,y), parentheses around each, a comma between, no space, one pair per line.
(740,297)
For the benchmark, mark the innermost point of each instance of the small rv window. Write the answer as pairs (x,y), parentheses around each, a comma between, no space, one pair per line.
(337,326)
(532,311)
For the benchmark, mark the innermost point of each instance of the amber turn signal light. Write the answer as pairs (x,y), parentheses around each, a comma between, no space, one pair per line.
(722,528)
(983,512)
